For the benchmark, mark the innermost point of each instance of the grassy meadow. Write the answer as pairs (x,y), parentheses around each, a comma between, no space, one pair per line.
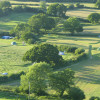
(10,21)
(87,71)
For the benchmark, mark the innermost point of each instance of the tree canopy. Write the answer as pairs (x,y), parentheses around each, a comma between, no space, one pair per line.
(61,80)
(41,21)
(36,78)
(44,52)
(72,25)
(97,4)
(57,10)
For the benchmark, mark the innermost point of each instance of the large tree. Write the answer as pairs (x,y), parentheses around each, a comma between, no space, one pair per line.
(72,25)
(94,17)
(36,78)
(41,21)
(44,52)
(57,10)
(61,80)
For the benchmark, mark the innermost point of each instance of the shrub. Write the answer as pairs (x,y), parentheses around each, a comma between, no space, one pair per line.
(79,51)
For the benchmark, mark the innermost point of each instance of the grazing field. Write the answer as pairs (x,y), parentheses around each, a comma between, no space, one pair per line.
(87,71)
(81,13)
(11,56)
(8,22)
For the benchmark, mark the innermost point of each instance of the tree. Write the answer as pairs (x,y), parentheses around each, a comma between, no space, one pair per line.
(36,78)
(57,10)
(97,4)
(72,25)
(61,80)
(94,17)
(5,4)
(41,21)
(44,52)
(76,93)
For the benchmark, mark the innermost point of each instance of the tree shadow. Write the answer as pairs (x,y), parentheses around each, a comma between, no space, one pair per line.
(88,70)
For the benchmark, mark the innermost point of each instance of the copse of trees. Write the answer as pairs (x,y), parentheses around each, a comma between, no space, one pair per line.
(57,10)
(72,25)
(94,18)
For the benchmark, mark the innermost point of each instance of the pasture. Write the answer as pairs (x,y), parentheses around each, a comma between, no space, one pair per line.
(87,71)
(81,13)
(10,21)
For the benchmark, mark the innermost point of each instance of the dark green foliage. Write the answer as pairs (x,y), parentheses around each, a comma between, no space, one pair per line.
(94,17)
(94,98)
(5,4)
(57,10)
(72,25)
(79,51)
(76,93)
(44,52)
(61,80)
(11,77)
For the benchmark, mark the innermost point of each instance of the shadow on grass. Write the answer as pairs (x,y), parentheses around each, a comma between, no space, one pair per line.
(88,70)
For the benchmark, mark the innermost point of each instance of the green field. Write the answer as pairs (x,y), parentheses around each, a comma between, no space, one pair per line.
(81,13)
(8,22)
(87,71)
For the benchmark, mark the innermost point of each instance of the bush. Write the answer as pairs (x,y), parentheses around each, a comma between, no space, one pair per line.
(79,51)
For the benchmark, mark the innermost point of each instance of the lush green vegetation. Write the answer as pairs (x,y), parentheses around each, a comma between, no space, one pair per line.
(86,72)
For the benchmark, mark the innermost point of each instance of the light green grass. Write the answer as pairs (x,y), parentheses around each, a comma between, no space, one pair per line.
(81,13)
(8,22)
(11,56)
